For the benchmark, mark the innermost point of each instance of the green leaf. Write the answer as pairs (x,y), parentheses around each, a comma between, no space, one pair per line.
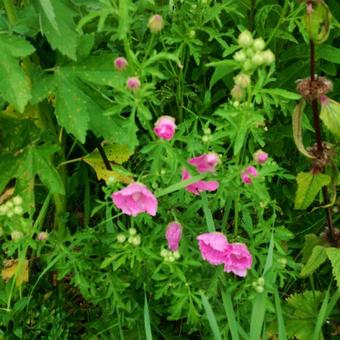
(317,258)
(60,29)
(71,106)
(282,93)
(309,185)
(302,313)
(334,256)
(211,318)
(330,116)
(14,85)
(222,69)
(43,86)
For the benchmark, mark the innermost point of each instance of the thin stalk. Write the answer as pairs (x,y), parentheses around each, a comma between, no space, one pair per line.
(318,137)
(10,11)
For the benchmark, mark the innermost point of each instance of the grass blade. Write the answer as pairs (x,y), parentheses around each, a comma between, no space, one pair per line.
(229,310)
(147,324)
(321,318)
(207,213)
(211,318)
(257,316)
(280,319)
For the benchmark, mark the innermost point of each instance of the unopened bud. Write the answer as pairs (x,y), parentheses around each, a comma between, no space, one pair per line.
(164,253)
(240,56)
(260,281)
(133,83)
(260,156)
(121,238)
(205,139)
(17,200)
(16,235)
(120,63)
(132,231)
(237,92)
(42,236)
(136,240)
(156,23)
(257,59)
(259,289)
(18,210)
(176,254)
(245,39)
(268,57)
(259,44)
(242,80)
(192,34)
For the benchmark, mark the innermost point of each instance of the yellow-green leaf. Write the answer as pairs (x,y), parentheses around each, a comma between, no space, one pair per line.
(16,268)
(334,256)
(317,258)
(330,116)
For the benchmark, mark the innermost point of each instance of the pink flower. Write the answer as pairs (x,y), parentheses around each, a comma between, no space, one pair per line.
(165,127)
(199,186)
(156,23)
(247,175)
(238,259)
(260,157)
(135,199)
(206,162)
(213,247)
(133,83)
(173,235)
(120,63)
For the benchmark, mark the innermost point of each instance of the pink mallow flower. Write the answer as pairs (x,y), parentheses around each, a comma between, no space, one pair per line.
(206,162)
(135,199)
(260,157)
(248,174)
(199,186)
(173,235)
(165,127)
(120,63)
(213,247)
(238,259)
(216,250)
(133,83)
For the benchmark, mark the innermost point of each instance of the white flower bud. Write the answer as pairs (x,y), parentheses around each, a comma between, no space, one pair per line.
(164,253)
(136,240)
(121,238)
(17,200)
(259,44)
(205,139)
(18,210)
(16,235)
(268,57)
(259,289)
(171,258)
(240,56)
(176,254)
(257,59)
(242,80)
(245,39)
(42,236)
(132,231)
(3,209)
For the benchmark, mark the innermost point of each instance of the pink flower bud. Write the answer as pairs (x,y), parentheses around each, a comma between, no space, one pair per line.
(173,235)
(199,186)
(156,23)
(42,236)
(133,83)
(120,63)
(135,199)
(260,157)
(247,175)
(206,162)
(165,127)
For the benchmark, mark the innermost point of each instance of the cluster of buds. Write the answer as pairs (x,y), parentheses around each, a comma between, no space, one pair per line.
(133,238)
(12,207)
(207,137)
(170,256)
(251,56)
(259,285)
(248,174)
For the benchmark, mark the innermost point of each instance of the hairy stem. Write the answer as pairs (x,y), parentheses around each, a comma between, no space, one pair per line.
(318,137)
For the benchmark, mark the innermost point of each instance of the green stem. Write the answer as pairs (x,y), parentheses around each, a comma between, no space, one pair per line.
(10,11)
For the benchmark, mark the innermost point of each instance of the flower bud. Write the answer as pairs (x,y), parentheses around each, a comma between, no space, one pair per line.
(205,139)
(136,240)
(42,236)
(170,258)
(240,56)
(16,235)
(120,63)
(207,131)
(249,52)
(3,209)
(18,210)
(260,281)
(237,92)
(17,200)
(242,80)
(259,289)
(132,231)
(133,83)
(173,235)
(268,57)
(165,253)
(245,39)
(176,255)
(247,175)
(260,157)
(156,23)
(282,261)
(248,65)
(257,59)
(259,44)
(192,34)
(121,238)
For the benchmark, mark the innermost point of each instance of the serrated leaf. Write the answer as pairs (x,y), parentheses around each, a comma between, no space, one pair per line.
(42,87)
(330,115)
(334,256)
(309,185)
(16,268)
(71,106)
(317,258)
(302,313)
(15,86)
(297,128)
(61,33)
